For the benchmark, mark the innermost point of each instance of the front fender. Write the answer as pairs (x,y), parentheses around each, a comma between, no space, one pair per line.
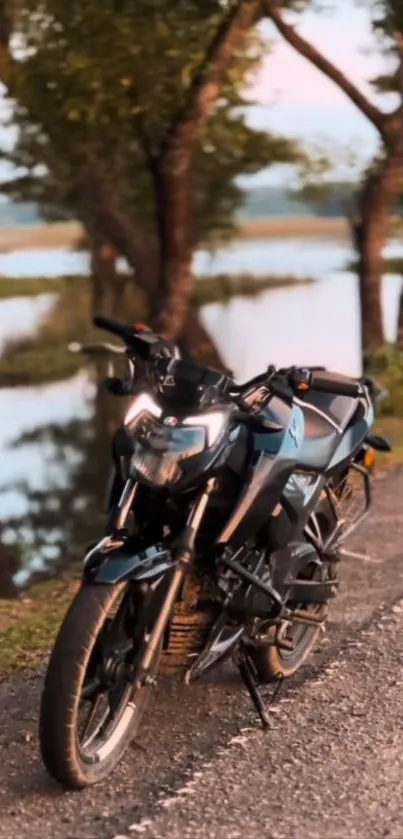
(117,559)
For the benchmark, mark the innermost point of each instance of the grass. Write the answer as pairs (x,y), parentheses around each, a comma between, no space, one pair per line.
(217,289)
(44,357)
(28,625)
(30,286)
(221,287)
(392,429)
(394,265)
(386,367)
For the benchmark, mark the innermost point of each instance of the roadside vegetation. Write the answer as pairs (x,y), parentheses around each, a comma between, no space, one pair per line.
(28,624)
(386,367)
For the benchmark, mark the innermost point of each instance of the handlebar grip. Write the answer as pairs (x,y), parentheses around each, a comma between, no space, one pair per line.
(331,384)
(113,326)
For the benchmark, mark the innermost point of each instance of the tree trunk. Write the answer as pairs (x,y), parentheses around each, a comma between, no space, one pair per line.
(196,344)
(399,336)
(101,207)
(101,212)
(370,234)
(108,286)
(172,180)
(171,167)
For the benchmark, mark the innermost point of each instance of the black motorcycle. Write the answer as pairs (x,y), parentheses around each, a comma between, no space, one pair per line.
(227,512)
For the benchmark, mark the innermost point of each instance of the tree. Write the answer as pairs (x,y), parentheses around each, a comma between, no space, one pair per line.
(135,114)
(379,189)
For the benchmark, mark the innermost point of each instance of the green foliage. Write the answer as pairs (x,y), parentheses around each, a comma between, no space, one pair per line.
(30,286)
(386,366)
(222,287)
(104,81)
(328,180)
(394,265)
(388,26)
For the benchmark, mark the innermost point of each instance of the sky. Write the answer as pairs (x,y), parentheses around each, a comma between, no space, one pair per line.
(295,99)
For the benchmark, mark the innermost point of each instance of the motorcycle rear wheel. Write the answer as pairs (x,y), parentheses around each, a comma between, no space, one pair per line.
(93,641)
(271,661)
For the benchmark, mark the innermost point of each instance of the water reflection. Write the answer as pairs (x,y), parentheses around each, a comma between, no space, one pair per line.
(21,315)
(259,256)
(22,411)
(53,481)
(43,263)
(299,257)
(60,507)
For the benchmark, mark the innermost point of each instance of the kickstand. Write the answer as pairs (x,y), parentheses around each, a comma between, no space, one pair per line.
(248,675)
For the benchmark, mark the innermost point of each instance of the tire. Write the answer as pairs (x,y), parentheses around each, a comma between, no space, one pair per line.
(72,661)
(272,662)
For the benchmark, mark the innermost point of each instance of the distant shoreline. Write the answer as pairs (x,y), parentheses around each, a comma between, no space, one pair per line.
(68,234)
(302,227)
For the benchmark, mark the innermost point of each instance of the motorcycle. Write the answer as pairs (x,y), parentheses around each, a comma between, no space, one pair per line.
(228,511)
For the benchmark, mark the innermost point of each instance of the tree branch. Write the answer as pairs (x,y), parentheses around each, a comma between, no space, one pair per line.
(100,206)
(206,85)
(308,51)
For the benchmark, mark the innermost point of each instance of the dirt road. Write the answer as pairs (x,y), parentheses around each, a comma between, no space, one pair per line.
(330,769)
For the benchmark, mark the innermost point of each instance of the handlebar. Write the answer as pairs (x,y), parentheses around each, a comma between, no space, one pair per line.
(304,380)
(151,347)
(101,348)
(123,331)
(139,338)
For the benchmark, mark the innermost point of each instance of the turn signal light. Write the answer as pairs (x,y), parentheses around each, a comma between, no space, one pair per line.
(369,458)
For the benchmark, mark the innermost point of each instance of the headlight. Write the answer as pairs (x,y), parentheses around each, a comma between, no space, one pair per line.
(159,445)
(214,422)
(159,450)
(140,405)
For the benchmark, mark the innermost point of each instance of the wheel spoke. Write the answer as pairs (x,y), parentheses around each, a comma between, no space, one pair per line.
(95,706)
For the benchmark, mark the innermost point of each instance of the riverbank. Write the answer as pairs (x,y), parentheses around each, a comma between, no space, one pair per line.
(69,234)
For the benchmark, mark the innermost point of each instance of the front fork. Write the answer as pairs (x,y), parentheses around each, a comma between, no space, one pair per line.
(184,554)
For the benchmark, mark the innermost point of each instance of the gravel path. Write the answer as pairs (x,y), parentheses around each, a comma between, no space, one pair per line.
(330,769)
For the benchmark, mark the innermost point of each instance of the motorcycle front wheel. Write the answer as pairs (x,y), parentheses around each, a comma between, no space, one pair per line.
(90,710)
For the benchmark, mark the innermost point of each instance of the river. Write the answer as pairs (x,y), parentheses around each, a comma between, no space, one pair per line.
(302,324)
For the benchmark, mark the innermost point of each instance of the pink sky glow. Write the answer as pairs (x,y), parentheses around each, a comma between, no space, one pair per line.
(293,97)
